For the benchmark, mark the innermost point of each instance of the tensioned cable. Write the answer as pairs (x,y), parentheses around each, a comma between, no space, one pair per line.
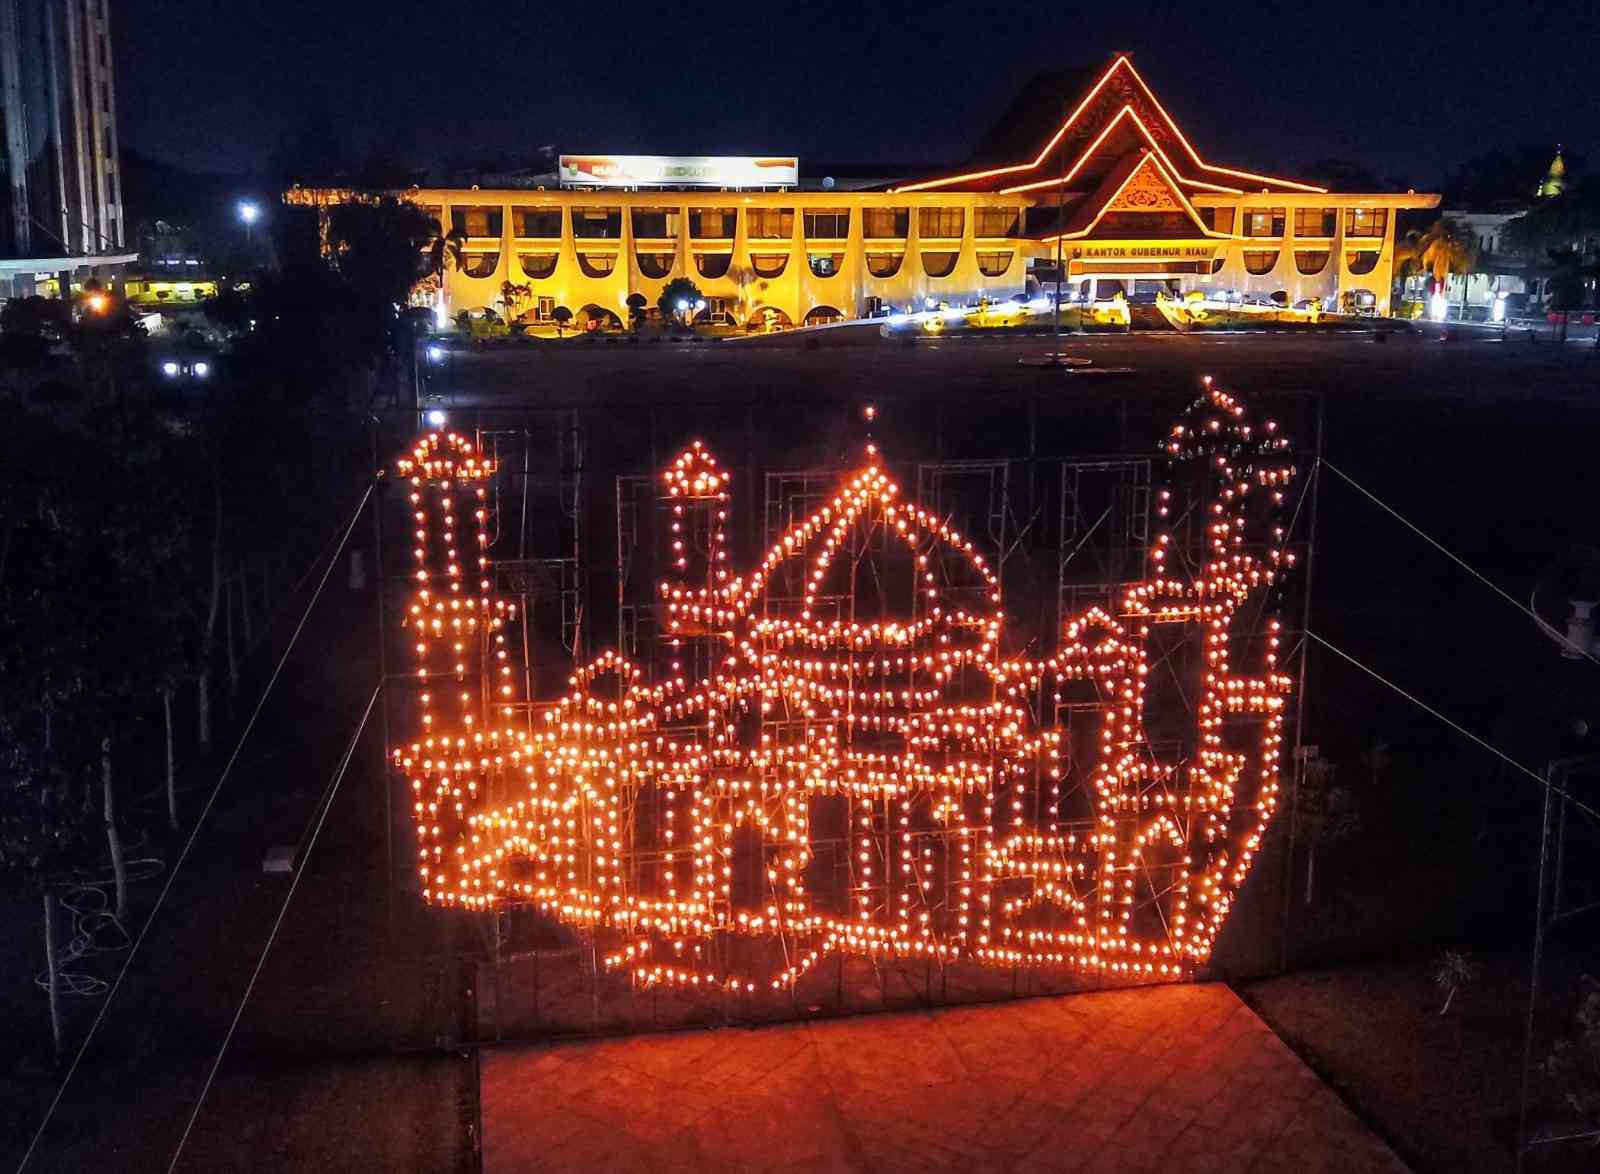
(193,834)
(1460,729)
(1460,562)
(261,962)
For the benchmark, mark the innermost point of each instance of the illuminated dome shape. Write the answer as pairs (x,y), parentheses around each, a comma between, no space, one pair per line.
(841,758)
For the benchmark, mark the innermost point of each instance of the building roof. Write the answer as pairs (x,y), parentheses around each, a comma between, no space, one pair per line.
(1114,111)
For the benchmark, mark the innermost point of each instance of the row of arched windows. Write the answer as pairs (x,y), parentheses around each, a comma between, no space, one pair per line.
(658,264)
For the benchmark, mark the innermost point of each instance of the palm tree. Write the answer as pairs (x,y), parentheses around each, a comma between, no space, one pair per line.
(1448,247)
(512,296)
(1407,264)
(443,250)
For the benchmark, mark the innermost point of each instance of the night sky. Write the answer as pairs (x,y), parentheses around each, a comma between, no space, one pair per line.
(1408,90)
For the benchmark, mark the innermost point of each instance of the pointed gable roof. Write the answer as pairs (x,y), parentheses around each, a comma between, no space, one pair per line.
(1137,188)
(1117,99)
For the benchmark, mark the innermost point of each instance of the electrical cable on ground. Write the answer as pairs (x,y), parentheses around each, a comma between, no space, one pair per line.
(1462,563)
(1462,730)
(194,833)
(326,804)
(94,928)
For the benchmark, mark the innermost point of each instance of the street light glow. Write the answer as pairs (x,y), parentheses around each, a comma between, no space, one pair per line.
(436,418)
(249,211)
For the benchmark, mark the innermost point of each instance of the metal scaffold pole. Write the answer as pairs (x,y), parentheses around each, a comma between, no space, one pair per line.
(1300,693)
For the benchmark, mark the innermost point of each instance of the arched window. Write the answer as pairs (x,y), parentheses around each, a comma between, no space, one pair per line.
(884,264)
(1364,261)
(602,318)
(994,264)
(766,320)
(1311,261)
(939,264)
(825,264)
(1260,261)
(538,266)
(821,314)
(655,264)
(480,264)
(597,264)
(769,264)
(713,264)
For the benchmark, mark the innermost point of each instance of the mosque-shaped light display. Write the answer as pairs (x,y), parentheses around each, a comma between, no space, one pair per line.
(839,751)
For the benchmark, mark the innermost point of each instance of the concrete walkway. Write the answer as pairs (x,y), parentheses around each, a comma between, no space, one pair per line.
(1161,1079)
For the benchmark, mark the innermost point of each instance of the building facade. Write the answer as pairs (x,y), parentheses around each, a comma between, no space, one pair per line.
(60,197)
(1117,195)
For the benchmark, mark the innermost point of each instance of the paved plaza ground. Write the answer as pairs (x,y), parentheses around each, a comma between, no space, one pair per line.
(1166,1078)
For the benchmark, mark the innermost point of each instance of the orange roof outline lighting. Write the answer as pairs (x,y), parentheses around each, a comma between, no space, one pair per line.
(1044,153)
(1195,155)
(883,781)
(1105,205)
(1088,153)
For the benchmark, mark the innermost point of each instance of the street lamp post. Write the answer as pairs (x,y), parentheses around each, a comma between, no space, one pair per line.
(249,213)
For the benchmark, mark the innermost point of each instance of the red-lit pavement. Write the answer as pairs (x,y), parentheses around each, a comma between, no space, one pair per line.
(1161,1079)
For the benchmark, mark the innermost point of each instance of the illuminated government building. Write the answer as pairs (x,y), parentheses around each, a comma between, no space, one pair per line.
(1117,192)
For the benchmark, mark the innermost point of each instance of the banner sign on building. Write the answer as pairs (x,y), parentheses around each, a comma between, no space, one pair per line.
(692,171)
(1158,251)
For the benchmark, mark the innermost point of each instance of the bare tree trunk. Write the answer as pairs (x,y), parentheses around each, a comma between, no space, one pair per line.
(204,692)
(244,605)
(172,762)
(1448,997)
(108,800)
(53,966)
(49,725)
(1311,870)
(233,654)
(209,641)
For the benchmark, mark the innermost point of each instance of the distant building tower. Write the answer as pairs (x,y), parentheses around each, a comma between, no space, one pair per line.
(60,184)
(1555,180)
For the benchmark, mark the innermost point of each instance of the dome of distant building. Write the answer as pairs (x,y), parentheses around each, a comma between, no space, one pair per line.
(1555,180)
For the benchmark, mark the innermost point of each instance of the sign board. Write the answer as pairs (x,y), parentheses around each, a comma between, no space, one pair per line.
(679,171)
(1156,251)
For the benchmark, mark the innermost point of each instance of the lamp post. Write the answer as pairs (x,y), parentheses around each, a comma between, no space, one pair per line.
(249,213)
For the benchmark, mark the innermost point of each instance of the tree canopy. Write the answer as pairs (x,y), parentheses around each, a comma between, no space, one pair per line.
(679,300)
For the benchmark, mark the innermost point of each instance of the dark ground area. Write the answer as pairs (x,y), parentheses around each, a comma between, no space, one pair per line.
(344,1055)
(343,1058)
